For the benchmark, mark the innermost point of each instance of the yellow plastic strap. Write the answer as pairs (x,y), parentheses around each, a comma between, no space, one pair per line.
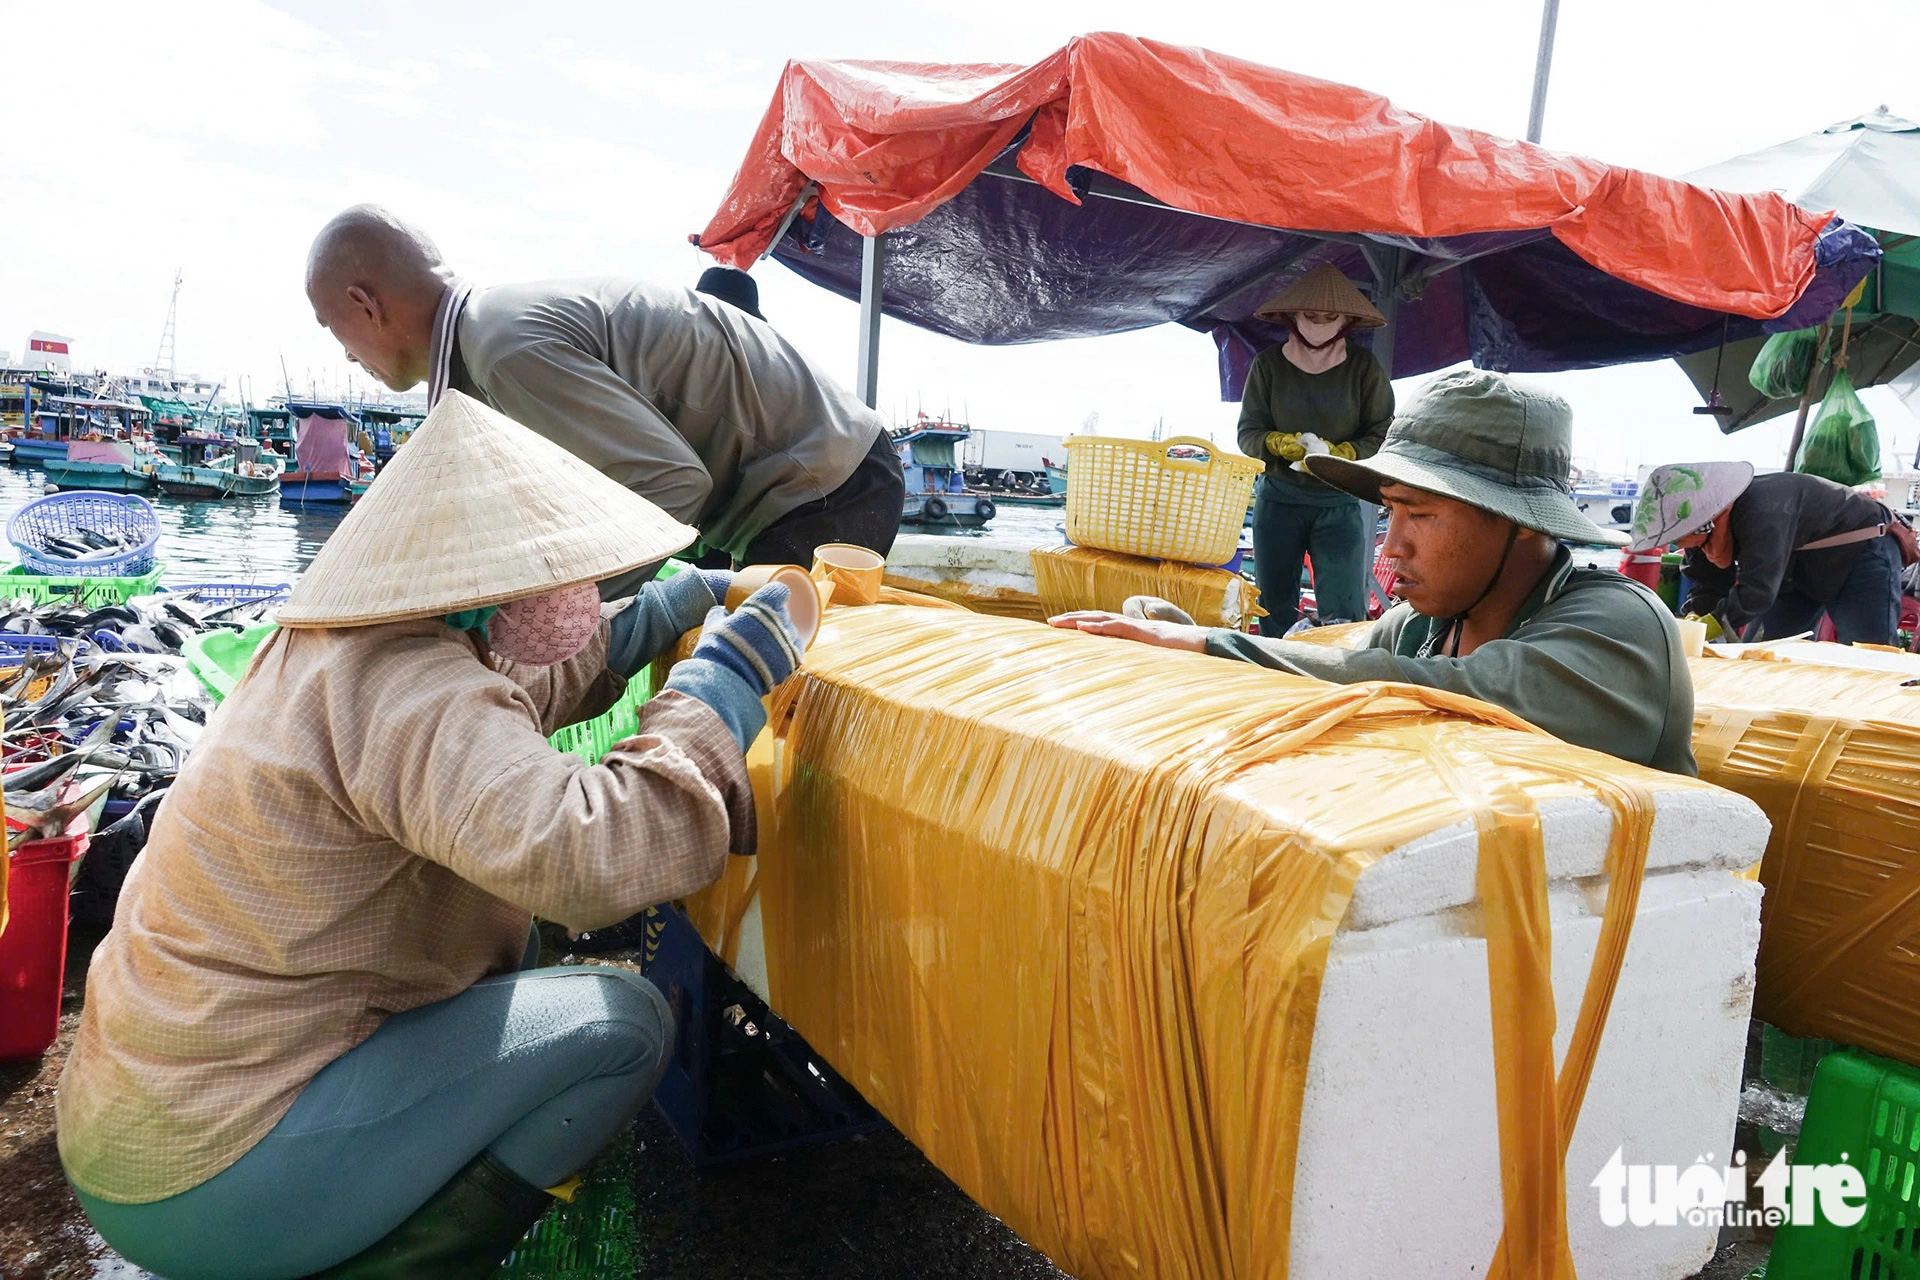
(1068,578)
(1829,753)
(1068,931)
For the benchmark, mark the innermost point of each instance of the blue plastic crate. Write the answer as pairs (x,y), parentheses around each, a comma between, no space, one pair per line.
(741,1082)
(33,526)
(13,646)
(221,593)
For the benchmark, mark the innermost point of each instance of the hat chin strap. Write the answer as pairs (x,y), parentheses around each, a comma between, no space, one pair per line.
(1311,345)
(1460,619)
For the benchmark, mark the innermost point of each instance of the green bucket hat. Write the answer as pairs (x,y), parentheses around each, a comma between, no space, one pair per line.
(1682,497)
(1481,438)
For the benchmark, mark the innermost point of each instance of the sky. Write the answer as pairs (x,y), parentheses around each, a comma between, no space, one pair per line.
(574,138)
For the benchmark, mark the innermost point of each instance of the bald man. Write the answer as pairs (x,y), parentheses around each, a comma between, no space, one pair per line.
(695,405)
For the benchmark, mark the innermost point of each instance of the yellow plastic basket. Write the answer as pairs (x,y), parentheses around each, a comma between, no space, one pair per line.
(1132,496)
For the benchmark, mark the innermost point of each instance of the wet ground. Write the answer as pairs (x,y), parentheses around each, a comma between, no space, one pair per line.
(866,1208)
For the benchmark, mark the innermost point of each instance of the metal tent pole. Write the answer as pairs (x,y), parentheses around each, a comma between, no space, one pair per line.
(1385,263)
(1543,63)
(866,377)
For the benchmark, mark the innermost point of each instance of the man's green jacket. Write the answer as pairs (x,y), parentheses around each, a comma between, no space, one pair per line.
(1592,657)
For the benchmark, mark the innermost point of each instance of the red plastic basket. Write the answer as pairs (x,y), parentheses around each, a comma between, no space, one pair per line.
(33,947)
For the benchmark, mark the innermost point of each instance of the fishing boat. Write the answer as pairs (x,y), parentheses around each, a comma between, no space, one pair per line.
(388,427)
(323,465)
(215,467)
(937,495)
(118,466)
(56,421)
(1605,500)
(272,427)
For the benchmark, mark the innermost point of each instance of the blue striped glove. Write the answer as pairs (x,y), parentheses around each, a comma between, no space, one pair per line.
(658,616)
(741,658)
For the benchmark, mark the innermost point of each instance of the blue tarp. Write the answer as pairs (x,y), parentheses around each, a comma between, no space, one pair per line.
(1006,261)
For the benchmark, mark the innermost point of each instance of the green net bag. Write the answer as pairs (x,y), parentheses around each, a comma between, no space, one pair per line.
(1785,363)
(1843,445)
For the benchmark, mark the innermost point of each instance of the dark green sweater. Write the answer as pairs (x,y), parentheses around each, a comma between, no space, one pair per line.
(1353,401)
(1592,658)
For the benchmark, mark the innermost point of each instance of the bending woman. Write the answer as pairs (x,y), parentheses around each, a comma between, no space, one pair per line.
(310,1044)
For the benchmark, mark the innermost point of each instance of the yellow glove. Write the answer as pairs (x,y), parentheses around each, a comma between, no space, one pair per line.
(1286,446)
(1345,450)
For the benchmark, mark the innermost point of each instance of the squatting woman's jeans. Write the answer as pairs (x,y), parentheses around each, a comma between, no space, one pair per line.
(1290,524)
(540,1068)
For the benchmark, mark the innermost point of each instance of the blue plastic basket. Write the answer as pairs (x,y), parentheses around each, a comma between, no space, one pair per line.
(62,514)
(221,593)
(12,646)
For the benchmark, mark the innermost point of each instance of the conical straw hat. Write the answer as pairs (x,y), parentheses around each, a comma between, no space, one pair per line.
(475,510)
(1325,288)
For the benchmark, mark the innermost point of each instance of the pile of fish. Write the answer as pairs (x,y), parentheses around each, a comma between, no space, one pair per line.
(84,545)
(160,623)
(85,727)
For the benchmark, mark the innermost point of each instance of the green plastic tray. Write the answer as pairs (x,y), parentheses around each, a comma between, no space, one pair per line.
(94,592)
(590,1238)
(1869,1108)
(220,658)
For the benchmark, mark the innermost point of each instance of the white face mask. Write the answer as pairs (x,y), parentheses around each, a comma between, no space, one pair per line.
(545,629)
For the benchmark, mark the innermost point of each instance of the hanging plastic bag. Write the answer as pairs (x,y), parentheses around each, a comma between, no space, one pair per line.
(1785,363)
(1843,444)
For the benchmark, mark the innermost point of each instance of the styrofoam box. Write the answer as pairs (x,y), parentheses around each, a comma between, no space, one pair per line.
(1398,1169)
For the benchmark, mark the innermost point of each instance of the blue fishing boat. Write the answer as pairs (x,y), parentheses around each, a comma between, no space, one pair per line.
(937,496)
(387,428)
(56,421)
(325,460)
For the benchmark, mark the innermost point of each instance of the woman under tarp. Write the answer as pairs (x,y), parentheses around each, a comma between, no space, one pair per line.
(1314,393)
(312,1042)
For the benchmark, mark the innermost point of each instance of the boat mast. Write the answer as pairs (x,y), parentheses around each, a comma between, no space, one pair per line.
(163,362)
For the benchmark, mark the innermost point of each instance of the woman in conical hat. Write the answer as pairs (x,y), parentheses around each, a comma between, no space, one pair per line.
(1314,393)
(313,1041)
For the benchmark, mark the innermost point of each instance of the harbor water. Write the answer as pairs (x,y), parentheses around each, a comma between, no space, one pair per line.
(258,540)
(230,540)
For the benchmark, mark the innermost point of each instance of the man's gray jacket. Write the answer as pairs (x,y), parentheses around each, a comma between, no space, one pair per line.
(693,404)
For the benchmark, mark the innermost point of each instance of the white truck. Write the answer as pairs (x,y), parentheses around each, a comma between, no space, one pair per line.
(1019,457)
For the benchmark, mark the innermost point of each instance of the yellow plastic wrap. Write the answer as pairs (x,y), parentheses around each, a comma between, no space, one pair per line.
(1067,578)
(1060,906)
(1833,757)
(1003,602)
(1341,635)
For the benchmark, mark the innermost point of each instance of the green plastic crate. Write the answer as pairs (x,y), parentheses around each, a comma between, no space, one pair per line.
(1869,1108)
(590,1238)
(220,658)
(1788,1063)
(94,592)
(592,739)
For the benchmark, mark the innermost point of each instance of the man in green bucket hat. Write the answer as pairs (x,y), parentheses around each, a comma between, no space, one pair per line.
(1474,479)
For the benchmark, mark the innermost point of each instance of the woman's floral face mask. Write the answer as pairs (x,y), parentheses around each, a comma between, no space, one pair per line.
(545,629)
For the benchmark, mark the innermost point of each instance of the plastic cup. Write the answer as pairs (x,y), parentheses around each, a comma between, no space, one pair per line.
(803,598)
(1693,637)
(854,571)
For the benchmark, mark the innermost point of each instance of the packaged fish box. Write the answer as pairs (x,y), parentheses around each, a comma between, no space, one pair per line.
(1187,968)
